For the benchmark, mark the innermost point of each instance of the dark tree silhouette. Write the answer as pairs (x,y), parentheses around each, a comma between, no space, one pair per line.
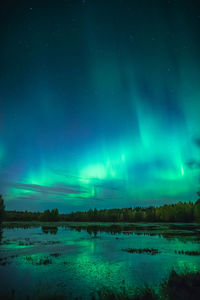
(1,234)
(197,209)
(48,215)
(179,212)
(2,208)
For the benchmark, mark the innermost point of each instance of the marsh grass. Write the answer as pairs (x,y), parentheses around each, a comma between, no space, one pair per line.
(52,297)
(4,261)
(38,261)
(55,254)
(27,243)
(7,259)
(146,293)
(151,251)
(192,253)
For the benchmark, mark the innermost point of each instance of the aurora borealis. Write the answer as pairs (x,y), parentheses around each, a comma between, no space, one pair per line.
(99,103)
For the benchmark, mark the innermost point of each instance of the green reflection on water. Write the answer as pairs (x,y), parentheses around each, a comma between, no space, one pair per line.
(81,262)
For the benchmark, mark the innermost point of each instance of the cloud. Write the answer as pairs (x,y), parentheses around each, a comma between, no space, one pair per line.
(197,142)
(102,188)
(76,193)
(193,164)
(58,190)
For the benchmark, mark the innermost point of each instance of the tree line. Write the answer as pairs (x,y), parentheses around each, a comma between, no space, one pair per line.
(179,212)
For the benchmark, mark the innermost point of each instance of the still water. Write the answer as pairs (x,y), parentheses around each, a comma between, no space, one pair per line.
(79,259)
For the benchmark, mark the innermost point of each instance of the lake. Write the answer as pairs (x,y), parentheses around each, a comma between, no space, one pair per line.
(79,259)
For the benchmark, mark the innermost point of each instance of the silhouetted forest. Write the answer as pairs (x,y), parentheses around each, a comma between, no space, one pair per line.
(2,209)
(180,212)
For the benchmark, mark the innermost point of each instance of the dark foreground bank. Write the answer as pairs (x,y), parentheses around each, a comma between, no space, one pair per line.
(177,286)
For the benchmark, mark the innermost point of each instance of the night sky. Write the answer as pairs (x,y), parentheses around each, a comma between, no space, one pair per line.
(99,103)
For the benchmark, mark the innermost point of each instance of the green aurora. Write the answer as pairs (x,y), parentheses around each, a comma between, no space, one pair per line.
(100,103)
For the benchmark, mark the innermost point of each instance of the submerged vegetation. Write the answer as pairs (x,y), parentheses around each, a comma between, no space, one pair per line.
(180,212)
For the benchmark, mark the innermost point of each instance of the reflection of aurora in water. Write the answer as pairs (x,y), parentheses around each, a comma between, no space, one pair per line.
(79,263)
(100,113)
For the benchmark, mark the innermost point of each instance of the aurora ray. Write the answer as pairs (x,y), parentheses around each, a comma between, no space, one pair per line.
(99,111)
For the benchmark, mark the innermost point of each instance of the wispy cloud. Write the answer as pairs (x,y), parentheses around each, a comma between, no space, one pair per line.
(193,164)
(57,189)
(197,142)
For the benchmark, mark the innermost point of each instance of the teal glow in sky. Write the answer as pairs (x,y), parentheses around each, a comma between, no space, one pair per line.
(99,103)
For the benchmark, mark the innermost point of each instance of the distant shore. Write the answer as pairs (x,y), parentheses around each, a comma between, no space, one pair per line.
(187,212)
